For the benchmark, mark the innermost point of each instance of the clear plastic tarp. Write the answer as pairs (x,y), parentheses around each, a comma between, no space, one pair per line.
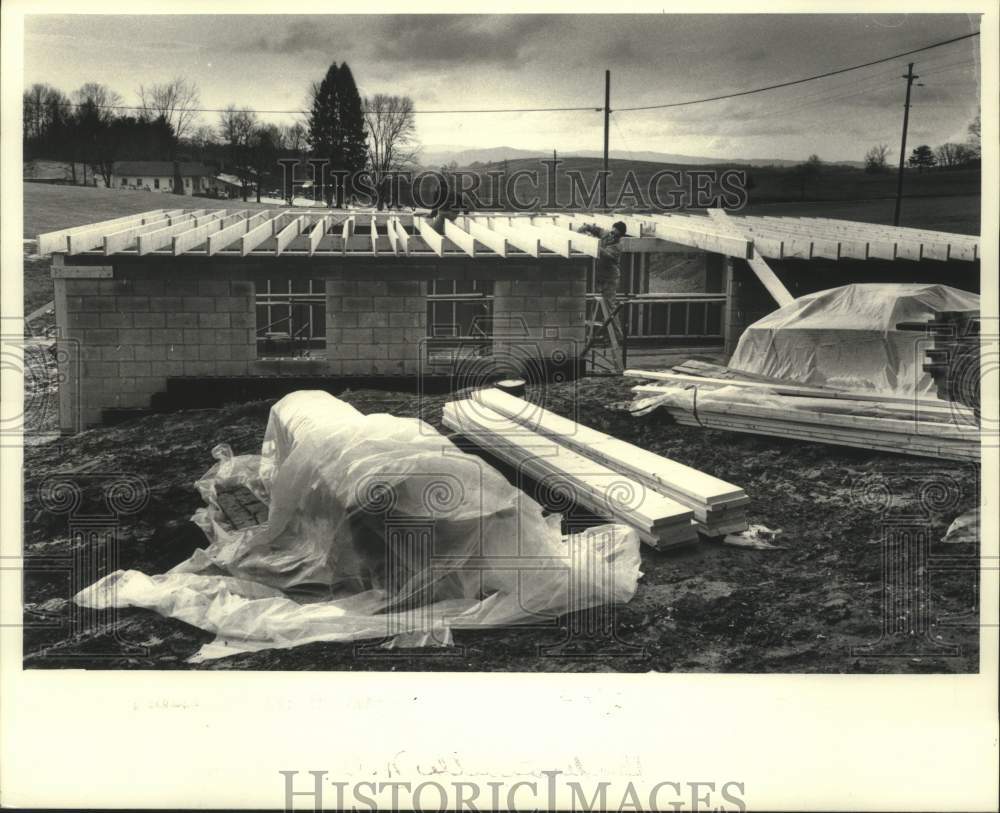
(847,338)
(378,527)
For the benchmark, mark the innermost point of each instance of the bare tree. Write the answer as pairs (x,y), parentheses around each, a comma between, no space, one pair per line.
(953,155)
(391,129)
(103,99)
(177,101)
(975,142)
(877,159)
(96,106)
(236,128)
(294,136)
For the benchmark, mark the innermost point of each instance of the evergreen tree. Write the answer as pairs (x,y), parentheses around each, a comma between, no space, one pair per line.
(324,123)
(352,125)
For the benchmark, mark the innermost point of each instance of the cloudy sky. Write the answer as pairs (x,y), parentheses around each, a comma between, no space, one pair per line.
(462,62)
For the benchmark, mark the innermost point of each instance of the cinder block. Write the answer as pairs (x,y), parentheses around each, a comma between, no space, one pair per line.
(102,304)
(555,287)
(214,352)
(394,335)
(137,369)
(74,303)
(213,320)
(414,334)
(166,304)
(341,287)
(166,336)
(116,319)
(372,319)
(234,336)
(570,303)
(121,352)
(357,335)
(243,352)
(357,303)
(213,287)
(149,287)
(530,288)
(182,320)
(407,319)
(81,320)
(334,367)
(88,353)
(133,303)
(509,304)
(243,320)
(373,351)
(100,369)
(335,320)
(152,352)
(169,368)
(405,288)
(399,353)
(387,303)
(231,368)
(198,304)
(241,288)
(184,286)
(233,304)
(414,304)
(372,288)
(199,368)
(342,351)
(357,367)
(149,319)
(134,336)
(99,337)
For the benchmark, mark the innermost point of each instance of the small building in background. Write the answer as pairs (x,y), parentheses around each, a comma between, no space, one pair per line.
(158,176)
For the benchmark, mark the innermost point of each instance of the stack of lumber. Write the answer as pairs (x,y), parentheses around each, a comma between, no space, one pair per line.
(953,355)
(706,395)
(719,507)
(667,502)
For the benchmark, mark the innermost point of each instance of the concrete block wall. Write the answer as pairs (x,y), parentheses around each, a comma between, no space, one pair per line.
(132,326)
(375,327)
(128,335)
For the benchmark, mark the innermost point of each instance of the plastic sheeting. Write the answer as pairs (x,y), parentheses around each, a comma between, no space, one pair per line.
(378,527)
(847,338)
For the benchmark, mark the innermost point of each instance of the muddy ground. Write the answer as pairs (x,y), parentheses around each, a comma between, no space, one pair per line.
(818,604)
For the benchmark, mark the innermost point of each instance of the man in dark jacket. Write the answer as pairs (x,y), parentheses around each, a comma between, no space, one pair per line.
(609,271)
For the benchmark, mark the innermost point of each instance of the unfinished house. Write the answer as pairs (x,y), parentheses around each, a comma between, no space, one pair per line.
(171,304)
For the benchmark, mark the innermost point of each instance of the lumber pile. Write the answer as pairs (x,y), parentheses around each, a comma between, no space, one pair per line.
(667,502)
(953,354)
(714,397)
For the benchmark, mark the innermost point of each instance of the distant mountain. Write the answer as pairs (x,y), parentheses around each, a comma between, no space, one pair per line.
(438,155)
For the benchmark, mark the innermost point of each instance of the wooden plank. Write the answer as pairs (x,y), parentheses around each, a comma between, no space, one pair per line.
(520,239)
(257,235)
(402,237)
(232,232)
(317,233)
(374,235)
(54,241)
(287,234)
(705,238)
(431,236)
(634,225)
(462,239)
(187,240)
(82,272)
(494,241)
(764,272)
(597,487)
(689,486)
(120,240)
(346,233)
(93,237)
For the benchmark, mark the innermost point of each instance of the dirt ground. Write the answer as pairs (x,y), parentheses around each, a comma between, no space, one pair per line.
(820,603)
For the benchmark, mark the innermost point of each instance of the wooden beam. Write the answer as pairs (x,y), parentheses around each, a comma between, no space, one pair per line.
(317,233)
(764,272)
(187,240)
(584,243)
(231,232)
(494,241)
(634,225)
(93,237)
(257,235)
(287,234)
(703,237)
(53,241)
(402,238)
(346,233)
(527,242)
(374,228)
(119,240)
(430,235)
(462,239)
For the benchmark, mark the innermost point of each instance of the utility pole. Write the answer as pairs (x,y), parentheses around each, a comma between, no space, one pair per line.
(607,121)
(909,76)
(552,179)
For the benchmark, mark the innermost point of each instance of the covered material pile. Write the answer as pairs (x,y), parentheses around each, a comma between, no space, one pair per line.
(378,528)
(830,367)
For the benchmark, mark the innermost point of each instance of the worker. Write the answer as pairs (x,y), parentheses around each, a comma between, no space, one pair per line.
(609,271)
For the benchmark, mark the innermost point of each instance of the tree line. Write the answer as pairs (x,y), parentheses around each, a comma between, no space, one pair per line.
(950,155)
(92,129)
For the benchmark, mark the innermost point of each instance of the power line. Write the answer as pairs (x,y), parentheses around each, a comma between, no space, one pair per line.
(799,81)
(588,108)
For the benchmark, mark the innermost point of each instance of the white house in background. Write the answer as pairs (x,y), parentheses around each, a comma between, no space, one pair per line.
(158,176)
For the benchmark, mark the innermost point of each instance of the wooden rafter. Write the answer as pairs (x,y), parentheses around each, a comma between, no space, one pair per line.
(494,241)
(521,239)
(430,235)
(287,234)
(317,233)
(764,272)
(229,233)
